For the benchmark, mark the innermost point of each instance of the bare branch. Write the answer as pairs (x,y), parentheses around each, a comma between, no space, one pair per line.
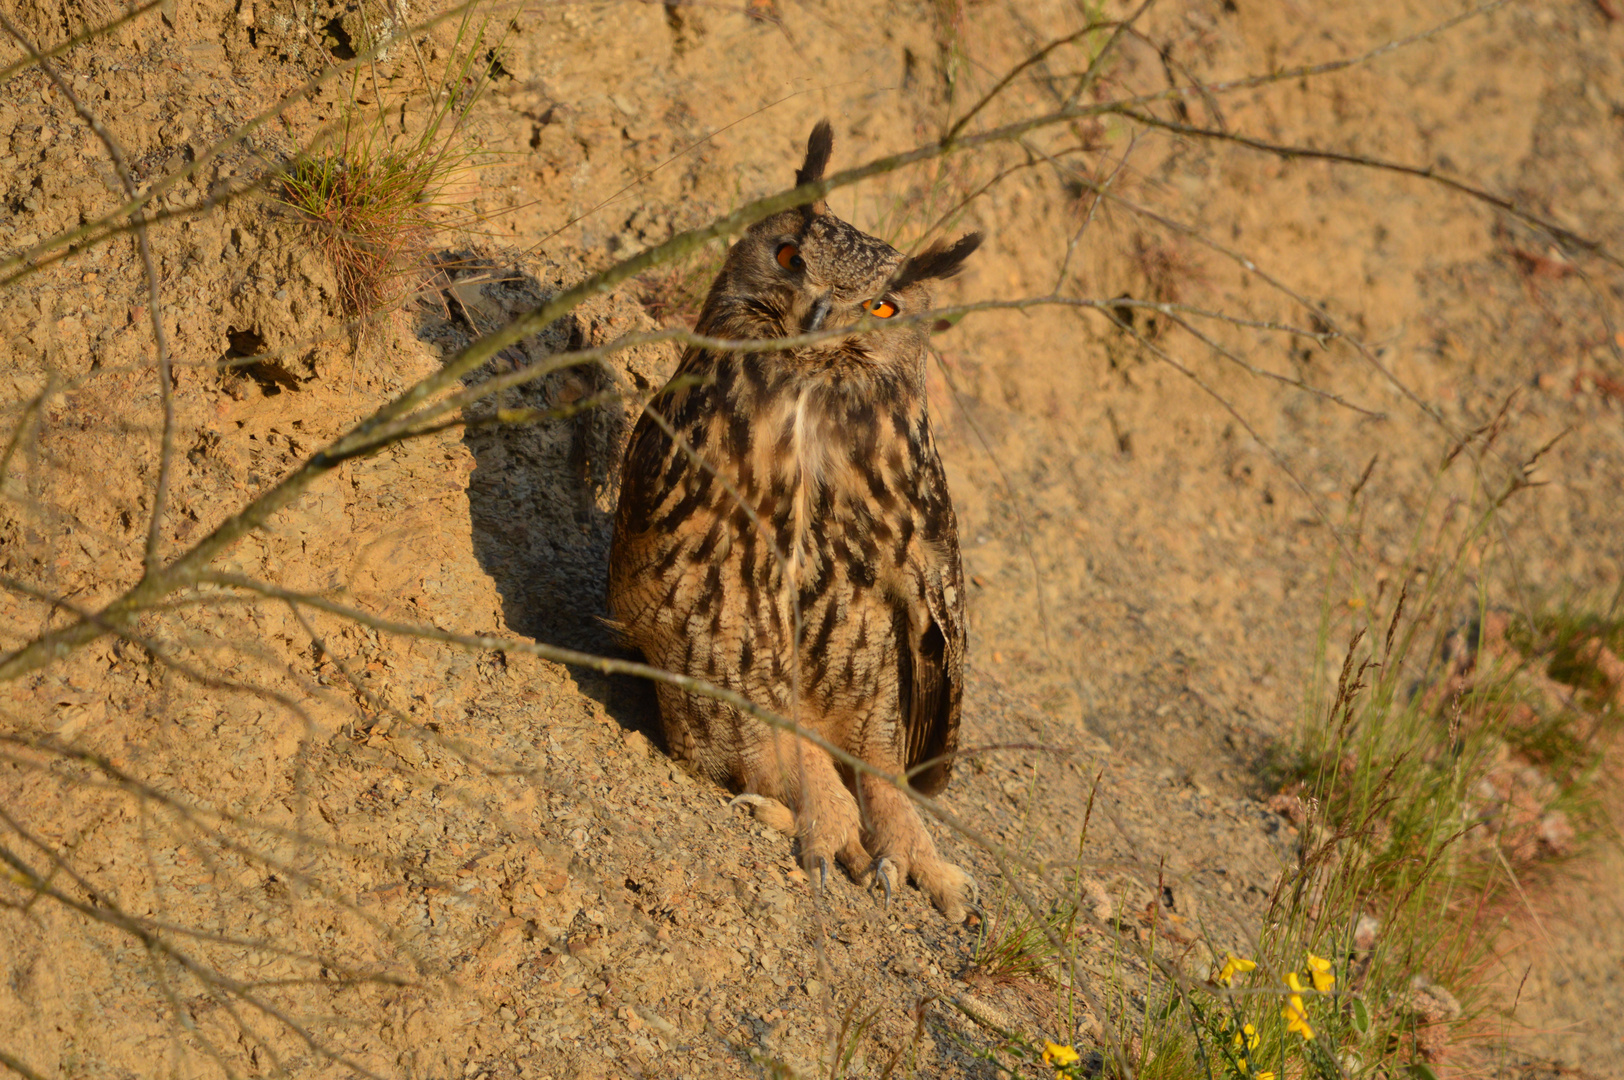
(1289,152)
(1096,65)
(1031,59)
(79,39)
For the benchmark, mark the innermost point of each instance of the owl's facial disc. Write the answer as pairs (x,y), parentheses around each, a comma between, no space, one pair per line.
(831,276)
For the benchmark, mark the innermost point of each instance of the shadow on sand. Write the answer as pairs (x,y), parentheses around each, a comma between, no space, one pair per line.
(542,495)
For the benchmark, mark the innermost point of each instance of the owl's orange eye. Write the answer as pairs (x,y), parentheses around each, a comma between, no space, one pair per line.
(881,309)
(789,257)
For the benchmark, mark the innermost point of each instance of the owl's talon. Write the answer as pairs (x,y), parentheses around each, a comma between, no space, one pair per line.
(973,899)
(823,871)
(747,799)
(884,871)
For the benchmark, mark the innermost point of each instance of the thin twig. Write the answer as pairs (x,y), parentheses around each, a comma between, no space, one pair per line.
(79,39)
(1096,65)
(1426,172)
(1028,61)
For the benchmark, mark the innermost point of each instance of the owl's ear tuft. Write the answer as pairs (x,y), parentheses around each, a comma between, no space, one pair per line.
(940,260)
(818,146)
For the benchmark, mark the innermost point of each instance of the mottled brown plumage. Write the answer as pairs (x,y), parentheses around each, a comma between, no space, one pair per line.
(805,485)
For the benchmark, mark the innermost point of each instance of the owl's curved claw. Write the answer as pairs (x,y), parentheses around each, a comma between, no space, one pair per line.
(972,901)
(884,871)
(822,863)
(747,799)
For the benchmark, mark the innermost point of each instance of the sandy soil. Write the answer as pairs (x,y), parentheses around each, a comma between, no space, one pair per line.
(481,864)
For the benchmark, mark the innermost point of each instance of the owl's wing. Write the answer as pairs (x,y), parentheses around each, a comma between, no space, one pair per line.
(653,470)
(931,649)
(640,490)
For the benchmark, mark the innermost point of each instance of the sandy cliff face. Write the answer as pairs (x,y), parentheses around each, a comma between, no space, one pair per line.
(292,841)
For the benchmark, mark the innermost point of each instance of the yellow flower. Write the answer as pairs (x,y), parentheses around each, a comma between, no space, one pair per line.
(1234,965)
(1319,969)
(1246,1038)
(1057,1056)
(1263,1076)
(1294,1014)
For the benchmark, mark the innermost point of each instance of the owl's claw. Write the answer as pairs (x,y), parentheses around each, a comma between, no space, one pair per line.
(884,871)
(822,863)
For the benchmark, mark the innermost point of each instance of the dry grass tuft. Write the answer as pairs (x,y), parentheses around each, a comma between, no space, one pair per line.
(371,217)
(377,199)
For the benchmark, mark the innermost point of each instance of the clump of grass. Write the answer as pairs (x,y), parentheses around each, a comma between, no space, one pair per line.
(1435,769)
(1037,950)
(1014,945)
(374,199)
(1439,769)
(1017,943)
(371,218)
(1370,928)
(1506,728)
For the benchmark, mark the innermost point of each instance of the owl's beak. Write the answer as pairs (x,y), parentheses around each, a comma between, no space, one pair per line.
(814,318)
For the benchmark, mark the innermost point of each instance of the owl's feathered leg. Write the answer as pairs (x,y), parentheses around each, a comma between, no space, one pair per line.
(903,849)
(803,777)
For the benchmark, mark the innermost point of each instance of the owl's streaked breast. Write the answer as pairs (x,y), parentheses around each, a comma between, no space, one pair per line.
(787,509)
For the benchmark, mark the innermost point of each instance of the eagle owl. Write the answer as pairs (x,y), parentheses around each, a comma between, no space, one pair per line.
(795,543)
